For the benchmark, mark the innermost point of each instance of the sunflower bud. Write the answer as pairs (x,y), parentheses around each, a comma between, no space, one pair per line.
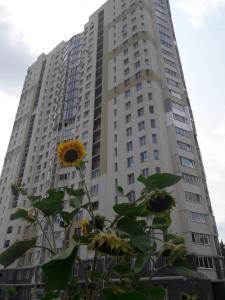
(159,201)
(31,213)
(85,228)
(111,244)
(99,222)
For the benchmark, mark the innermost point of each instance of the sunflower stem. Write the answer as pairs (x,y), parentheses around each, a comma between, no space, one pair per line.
(89,199)
(44,233)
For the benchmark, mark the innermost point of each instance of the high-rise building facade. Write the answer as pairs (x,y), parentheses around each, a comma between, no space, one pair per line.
(119,87)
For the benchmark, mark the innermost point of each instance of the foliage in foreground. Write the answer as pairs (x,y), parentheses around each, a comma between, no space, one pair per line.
(135,238)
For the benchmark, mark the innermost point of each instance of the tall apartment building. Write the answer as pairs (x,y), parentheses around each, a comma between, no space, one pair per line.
(119,87)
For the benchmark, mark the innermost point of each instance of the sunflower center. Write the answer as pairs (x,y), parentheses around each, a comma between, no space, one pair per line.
(160,204)
(71,156)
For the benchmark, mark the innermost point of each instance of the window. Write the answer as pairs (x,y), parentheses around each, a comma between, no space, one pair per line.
(186,162)
(127,105)
(85,135)
(142,141)
(126,61)
(140,112)
(180,118)
(125,52)
(154,138)
(193,197)
(141,126)
(175,94)
(200,238)
(151,109)
(138,75)
(129,131)
(128,118)
(139,99)
(127,93)
(157,170)
(6,244)
(130,178)
(95,205)
(178,106)
(94,190)
(184,146)
(190,179)
(138,87)
(59,235)
(171,72)
(144,156)
(129,146)
(204,262)
(127,82)
(136,54)
(172,82)
(137,64)
(130,162)
(86,113)
(156,154)
(131,196)
(135,45)
(182,131)
(169,62)
(149,96)
(197,217)
(145,172)
(152,123)
(126,71)
(9,229)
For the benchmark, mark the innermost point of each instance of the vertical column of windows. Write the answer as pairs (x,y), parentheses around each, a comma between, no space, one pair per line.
(98,98)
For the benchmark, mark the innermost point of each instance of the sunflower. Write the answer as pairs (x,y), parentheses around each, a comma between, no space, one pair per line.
(174,251)
(111,244)
(159,201)
(70,153)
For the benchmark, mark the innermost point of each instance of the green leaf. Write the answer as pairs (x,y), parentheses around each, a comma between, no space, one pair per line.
(22,214)
(80,166)
(183,271)
(123,270)
(159,181)
(131,209)
(15,190)
(58,270)
(120,191)
(140,262)
(15,251)
(134,230)
(75,192)
(82,239)
(50,296)
(52,204)
(112,294)
(161,222)
(34,199)
(157,293)
(68,217)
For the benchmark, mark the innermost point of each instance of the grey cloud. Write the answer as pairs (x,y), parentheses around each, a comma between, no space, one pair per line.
(15,56)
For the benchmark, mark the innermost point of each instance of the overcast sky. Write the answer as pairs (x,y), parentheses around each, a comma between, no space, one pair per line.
(28,28)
